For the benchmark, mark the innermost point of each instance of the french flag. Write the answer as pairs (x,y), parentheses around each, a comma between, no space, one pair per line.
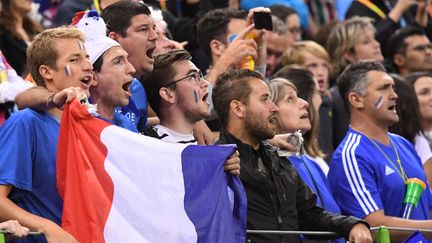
(119,186)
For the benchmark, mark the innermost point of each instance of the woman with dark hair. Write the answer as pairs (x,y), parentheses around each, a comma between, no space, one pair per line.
(295,115)
(410,120)
(17,30)
(422,84)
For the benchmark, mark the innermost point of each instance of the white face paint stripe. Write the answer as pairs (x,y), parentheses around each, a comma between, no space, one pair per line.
(68,70)
(379,102)
(81,45)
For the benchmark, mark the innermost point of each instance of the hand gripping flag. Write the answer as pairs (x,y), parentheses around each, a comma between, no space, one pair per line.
(119,186)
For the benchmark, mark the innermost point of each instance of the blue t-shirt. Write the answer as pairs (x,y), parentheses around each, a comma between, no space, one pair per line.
(121,121)
(363,180)
(315,178)
(136,110)
(28,148)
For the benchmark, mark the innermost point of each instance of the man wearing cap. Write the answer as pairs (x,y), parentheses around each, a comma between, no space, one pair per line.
(112,74)
(111,70)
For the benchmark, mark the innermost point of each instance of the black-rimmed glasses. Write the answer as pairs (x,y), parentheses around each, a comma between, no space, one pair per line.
(196,77)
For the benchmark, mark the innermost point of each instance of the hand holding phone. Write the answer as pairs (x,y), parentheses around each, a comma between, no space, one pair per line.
(263,20)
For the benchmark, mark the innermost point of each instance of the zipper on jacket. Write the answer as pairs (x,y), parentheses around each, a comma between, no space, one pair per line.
(279,218)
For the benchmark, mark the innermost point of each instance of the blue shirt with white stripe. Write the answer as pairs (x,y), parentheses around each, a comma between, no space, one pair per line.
(363,180)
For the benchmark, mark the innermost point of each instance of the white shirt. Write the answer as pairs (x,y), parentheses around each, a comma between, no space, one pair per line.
(170,136)
(422,148)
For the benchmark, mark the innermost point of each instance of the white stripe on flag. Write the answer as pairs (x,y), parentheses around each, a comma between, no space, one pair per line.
(161,176)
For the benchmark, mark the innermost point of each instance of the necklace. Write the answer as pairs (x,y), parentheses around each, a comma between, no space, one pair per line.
(401,171)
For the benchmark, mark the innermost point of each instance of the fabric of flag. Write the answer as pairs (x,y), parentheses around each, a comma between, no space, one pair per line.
(119,186)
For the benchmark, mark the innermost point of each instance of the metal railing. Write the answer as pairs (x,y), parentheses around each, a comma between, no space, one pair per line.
(285,232)
(380,239)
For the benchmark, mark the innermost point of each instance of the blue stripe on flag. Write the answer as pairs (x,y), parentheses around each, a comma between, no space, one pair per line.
(206,200)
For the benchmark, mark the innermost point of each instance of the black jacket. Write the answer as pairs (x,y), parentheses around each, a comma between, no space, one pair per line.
(278,199)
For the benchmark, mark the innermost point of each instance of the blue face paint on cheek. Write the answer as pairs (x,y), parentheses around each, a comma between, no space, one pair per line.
(379,102)
(196,96)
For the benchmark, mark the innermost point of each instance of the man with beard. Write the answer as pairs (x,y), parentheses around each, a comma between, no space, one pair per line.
(370,168)
(278,199)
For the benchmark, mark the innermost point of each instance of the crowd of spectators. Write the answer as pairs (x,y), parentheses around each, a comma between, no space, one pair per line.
(355,94)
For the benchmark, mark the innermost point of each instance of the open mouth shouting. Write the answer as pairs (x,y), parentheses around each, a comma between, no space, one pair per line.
(149,52)
(392,108)
(204,98)
(86,81)
(126,88)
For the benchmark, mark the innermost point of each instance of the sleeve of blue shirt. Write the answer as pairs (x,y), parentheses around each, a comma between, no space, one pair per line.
(353,184)
(139,97)
(16,153)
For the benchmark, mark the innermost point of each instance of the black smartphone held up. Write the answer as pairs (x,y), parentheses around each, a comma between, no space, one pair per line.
(263,21)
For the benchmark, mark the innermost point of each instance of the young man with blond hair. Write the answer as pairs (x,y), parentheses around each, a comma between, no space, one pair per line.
(57,60)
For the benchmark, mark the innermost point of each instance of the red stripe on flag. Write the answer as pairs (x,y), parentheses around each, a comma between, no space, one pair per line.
(86,188)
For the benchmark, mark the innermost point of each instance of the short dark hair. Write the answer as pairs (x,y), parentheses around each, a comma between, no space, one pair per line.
(117,16)
(412,78)
(214,26)
(282,11)
(97,65)
(396,43)
(232,85)
(355,78)
(407,108)
(162,74)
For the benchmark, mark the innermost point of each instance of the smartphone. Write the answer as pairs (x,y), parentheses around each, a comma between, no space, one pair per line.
(263,21)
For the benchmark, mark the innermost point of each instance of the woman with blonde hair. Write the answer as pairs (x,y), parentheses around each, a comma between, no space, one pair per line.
(313,57)
(350,41)
(307,89)
(296,114)
(353,40)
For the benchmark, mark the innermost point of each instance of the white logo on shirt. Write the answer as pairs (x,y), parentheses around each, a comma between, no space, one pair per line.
(388,171)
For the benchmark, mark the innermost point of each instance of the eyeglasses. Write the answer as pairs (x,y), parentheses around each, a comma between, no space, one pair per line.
(423,47)
(295,30)
(196,77)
